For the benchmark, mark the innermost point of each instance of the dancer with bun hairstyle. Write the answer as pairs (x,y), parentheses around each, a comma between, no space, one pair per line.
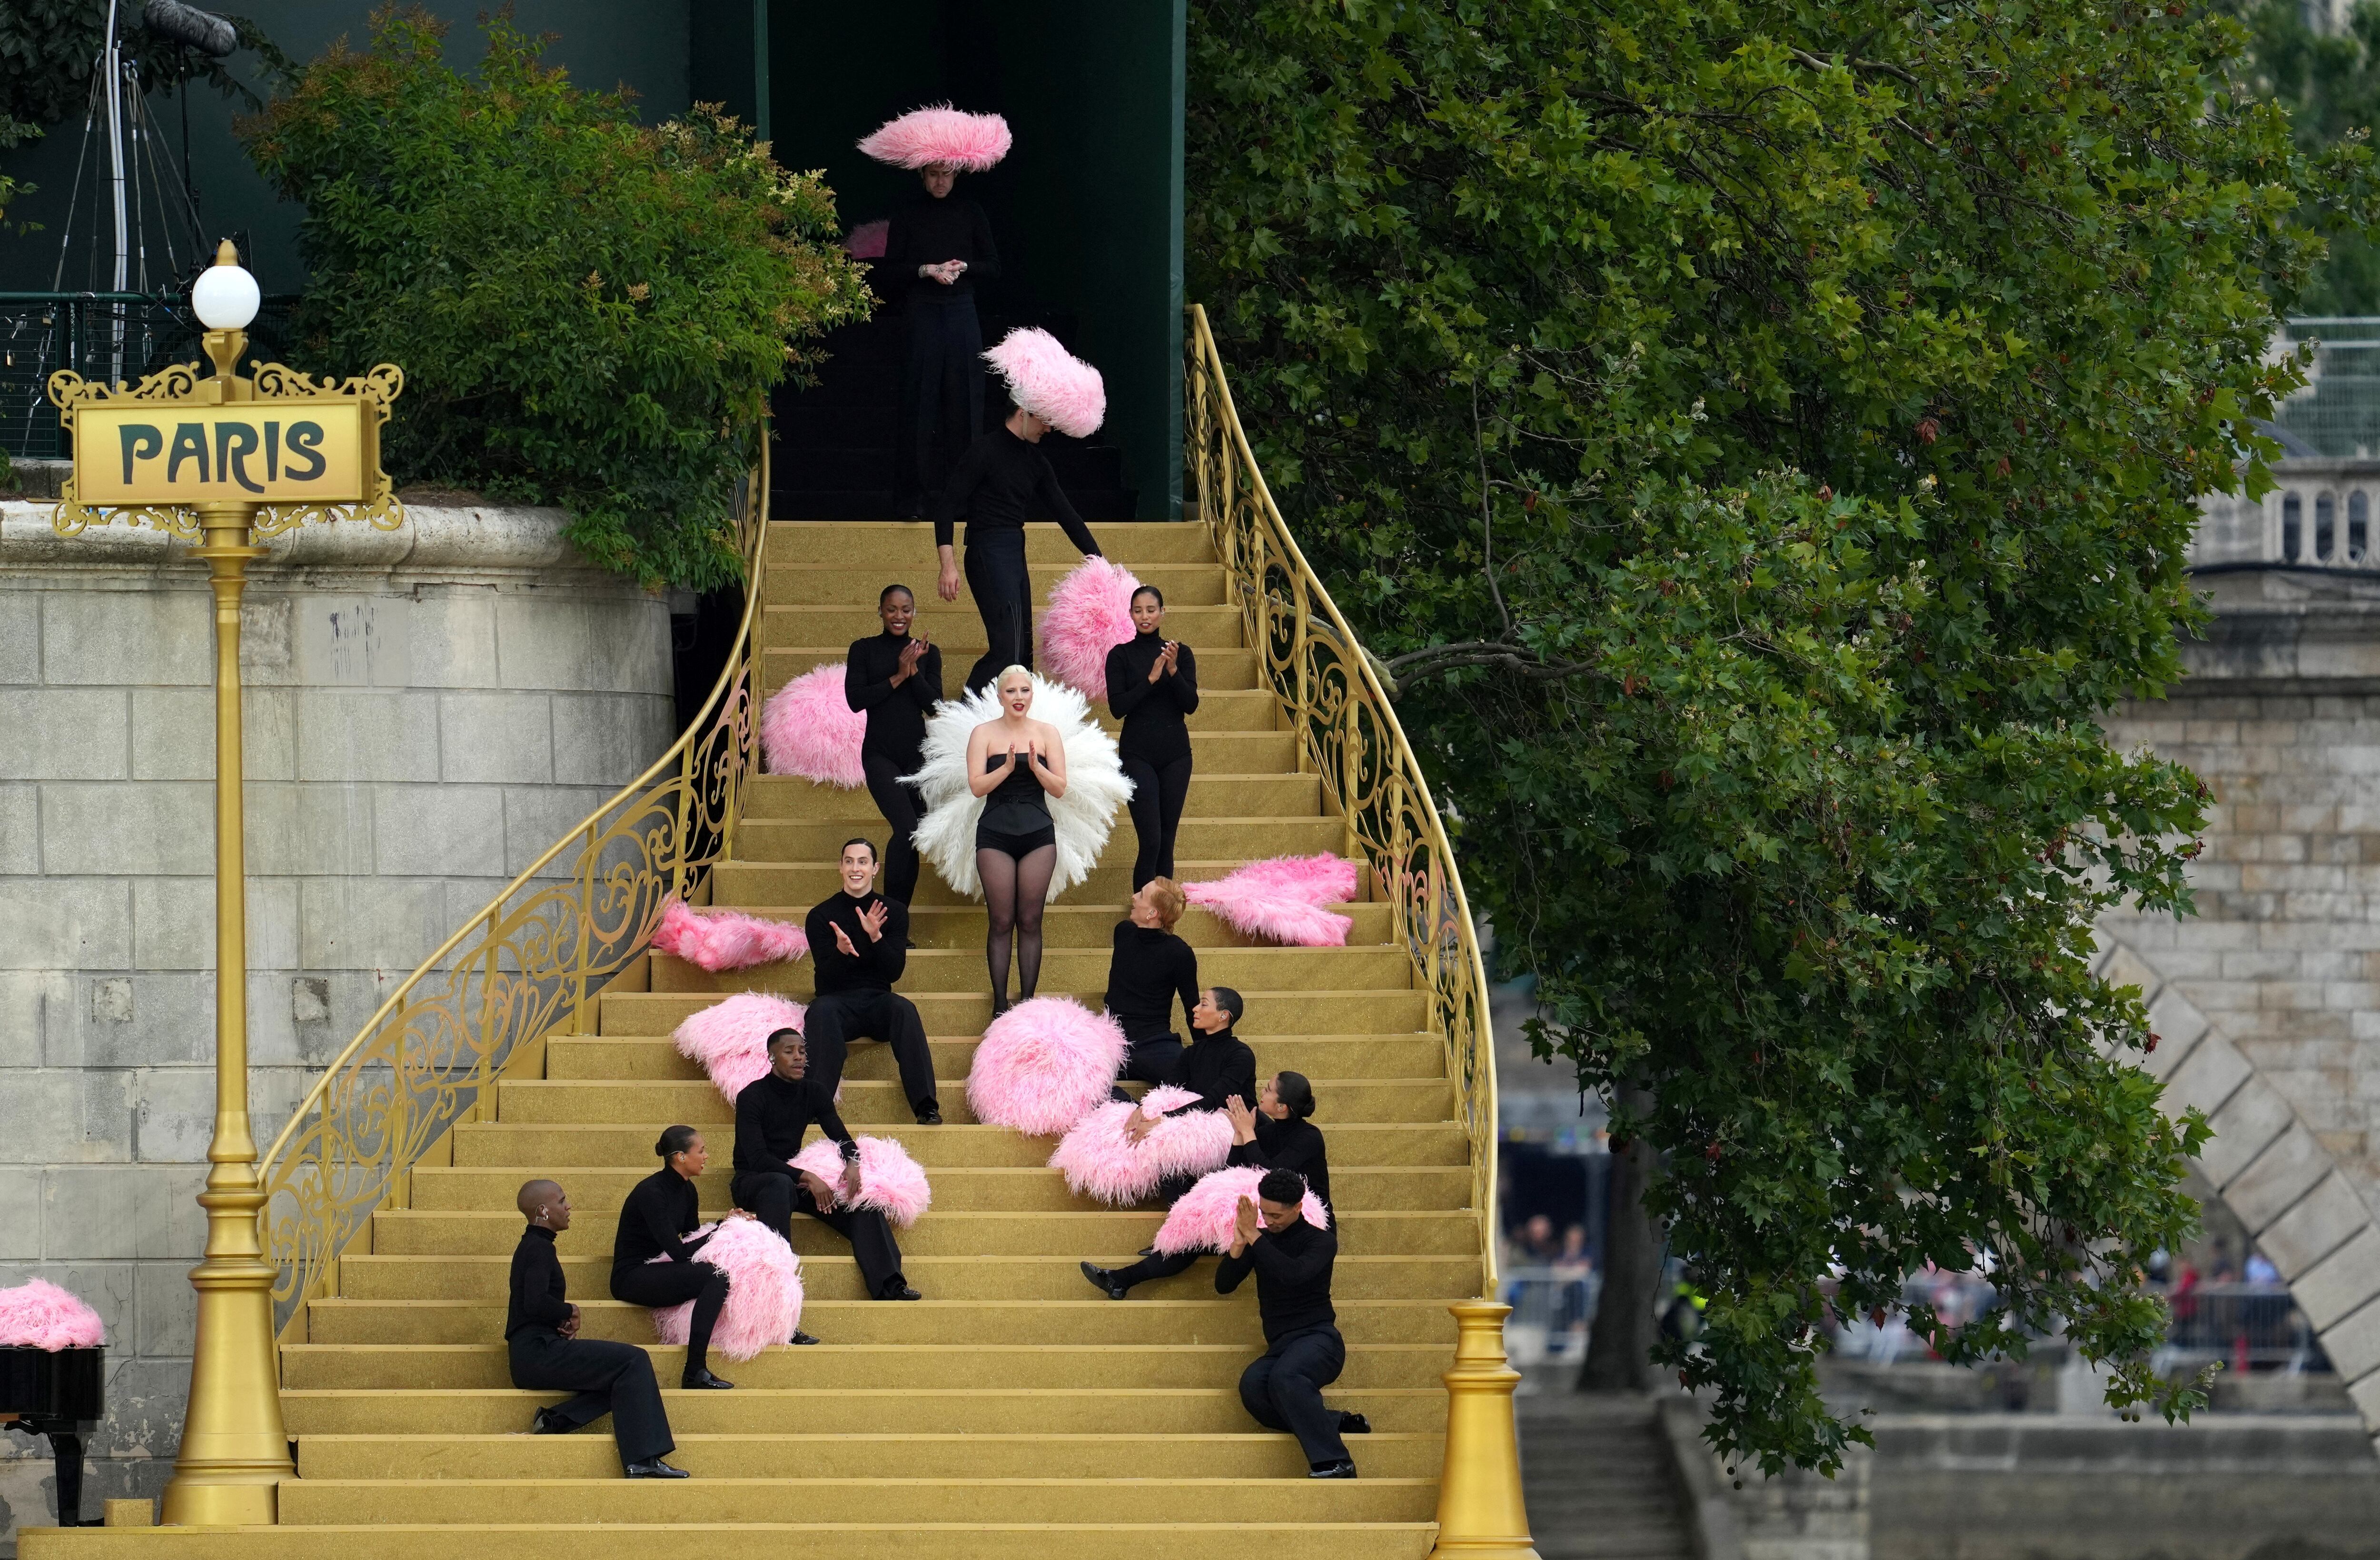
(1153,689)
(661,1212)
(1016,764)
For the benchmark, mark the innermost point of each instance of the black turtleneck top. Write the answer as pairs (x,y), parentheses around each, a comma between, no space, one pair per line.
(1288,1144)
(1148,970)
(772,1114)
(1000,482)
(1154,729)
(896,716)
(1217,1065)
(1292,1271)
(660,1208)
(931,232)
(879,963)
(538,1299)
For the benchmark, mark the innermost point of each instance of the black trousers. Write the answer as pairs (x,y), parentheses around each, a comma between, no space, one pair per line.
(1158,793)
(1152,1060)
(902,806)
(839,1017)
(1283,1391)
(775,1197)
(1159,1266)
(942,396)
(1002,588)
(615,1379)
(659,1284)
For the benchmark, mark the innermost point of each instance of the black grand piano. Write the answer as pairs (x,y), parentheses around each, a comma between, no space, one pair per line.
(58,1392)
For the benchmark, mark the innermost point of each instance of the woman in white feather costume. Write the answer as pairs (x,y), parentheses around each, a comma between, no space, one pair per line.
(1021,787)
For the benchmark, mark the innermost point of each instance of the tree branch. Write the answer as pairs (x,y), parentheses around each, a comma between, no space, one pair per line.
(1401,672)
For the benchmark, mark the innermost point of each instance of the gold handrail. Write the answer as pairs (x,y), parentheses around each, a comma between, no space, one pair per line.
(537,956)
(1348,731)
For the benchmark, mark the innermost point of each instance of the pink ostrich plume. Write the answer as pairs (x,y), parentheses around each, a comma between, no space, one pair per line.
(938,133)
(809,728)
(1101,1162)
(730,1038)
(1049,381)
(1090,614)
(866,241)
(890,1181)
(1206,1216)
(40,1315)
(717,939)
(1282,897)
(1043,1065)
(764,1290)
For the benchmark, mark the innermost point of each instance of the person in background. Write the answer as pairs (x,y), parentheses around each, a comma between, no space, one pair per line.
(895,677)
(546,1354)
(1000,480)
(1303,1353)
(1153,690)
(859,946)
(1149,968)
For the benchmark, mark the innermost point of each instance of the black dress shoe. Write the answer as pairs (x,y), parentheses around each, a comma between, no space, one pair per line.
(898,1290)
(698,1379)
(1000,1005)
(656,1469)
(1104,1281)
(801,1337)
(1353,1424)
(930,1117)
(549,1421)
(1332,1471)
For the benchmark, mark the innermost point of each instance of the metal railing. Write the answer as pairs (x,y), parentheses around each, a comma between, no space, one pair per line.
(105,337)
(530,963)
(1348,732)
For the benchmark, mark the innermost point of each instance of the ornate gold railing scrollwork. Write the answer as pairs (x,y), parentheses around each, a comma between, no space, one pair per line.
(528,964)
(1348,732)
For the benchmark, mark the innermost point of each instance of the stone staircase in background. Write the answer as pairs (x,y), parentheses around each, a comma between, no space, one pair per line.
(1015,1412)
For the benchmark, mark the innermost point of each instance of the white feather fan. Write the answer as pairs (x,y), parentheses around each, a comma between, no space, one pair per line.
(1096,786)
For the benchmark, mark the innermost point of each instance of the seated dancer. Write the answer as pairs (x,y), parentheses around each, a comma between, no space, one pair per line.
(772,1114)
(1217,1065)
(548,1355)
(1275,1135)
(1152,687)
(1001,476)
(1149,968)
(1016,764)
(895,677)
(1304,1352)
(661,1212)
(859,945)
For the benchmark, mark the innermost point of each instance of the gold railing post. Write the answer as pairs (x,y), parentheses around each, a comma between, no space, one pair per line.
(1481,1514)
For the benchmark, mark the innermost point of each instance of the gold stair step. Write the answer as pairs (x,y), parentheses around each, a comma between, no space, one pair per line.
(956,626)
(1237,839)
(880,1103)
(1313,1011)
(1087,926)
(1222,793)
(909,544)
(538,1148)
(1229,699)
(1106,889)
(834,1277)
(840,583)
(634,1056)
(935,972)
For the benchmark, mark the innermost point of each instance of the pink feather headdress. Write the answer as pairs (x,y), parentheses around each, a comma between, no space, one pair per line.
(1090,614)
(1042,1065)
(730,1038)
(809,728)
(1101,1162)
(1049,381)
(1206,1216)
(938,133)
(39,1314)
(764,1290)
(717,939)
(1282,897)
(890,1181)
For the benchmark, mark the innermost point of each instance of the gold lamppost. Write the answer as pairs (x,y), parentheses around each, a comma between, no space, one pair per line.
(1480,1513)
(227,461)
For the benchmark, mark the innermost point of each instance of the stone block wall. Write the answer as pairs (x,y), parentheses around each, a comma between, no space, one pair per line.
(426,712)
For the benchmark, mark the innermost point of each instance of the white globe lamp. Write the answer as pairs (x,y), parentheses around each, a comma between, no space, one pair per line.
(224,297)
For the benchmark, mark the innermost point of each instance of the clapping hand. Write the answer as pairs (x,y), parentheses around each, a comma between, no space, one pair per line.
(911,654)
(871,920)
(843,939)
(1244,1120)
(1243,1232)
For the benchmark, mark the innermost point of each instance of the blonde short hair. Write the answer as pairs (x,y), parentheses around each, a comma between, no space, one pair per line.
(1169,901)
(1001,681)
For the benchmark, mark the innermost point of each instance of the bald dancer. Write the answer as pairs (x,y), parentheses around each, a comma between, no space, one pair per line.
(548,1355)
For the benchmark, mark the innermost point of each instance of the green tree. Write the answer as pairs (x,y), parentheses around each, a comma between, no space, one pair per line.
(1761,440)
(588,310)
(2330,84)
(47,48)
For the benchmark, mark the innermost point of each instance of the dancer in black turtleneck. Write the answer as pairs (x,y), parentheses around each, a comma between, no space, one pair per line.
(661,1212)
(1304,1352)
(1153,687)
(1149,968)
(772,1115)
(934,251)
(999,484)
(897,678)
(859,945)
(546,1354)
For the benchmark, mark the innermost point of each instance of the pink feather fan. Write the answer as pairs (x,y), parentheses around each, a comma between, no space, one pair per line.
(867,240)
(1044,1064)
(730,1038)
(1101,1162)
(1090,614)
(717,940)
(809,728)
(890,1181)
(938,133)
(764,1293)
(1282,897)
(40,1315)
(1206,1215)
(1049,381)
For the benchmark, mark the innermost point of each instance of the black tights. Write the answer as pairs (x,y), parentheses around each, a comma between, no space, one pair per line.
(1158,793)
(1013,893)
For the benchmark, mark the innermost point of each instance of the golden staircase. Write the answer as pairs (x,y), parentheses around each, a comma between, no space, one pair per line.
(1015,1411)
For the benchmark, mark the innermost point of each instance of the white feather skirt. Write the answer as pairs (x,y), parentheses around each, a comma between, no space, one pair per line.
(1096,786)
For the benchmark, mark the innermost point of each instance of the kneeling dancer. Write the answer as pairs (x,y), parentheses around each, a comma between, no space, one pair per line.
(1304,1352)
(772,1114)
(548,1355)
(859,945)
